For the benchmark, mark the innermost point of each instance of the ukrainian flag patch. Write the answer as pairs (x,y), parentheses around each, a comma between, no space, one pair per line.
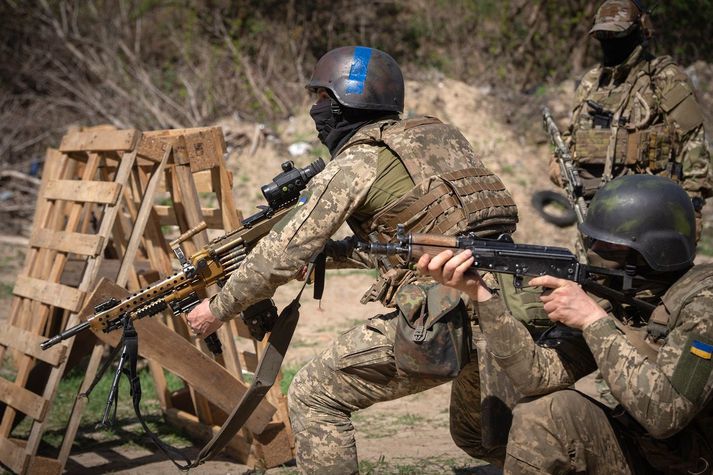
(702,350)
(303,199)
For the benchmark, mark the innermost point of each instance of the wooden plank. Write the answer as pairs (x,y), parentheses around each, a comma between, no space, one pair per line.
(23,400)
(183,359)
(152,148)
(44,466)
(99,141)
(49,293)
(141,219)
(67,241)
(29,343)
(167,216)
(83,191)
(13,456)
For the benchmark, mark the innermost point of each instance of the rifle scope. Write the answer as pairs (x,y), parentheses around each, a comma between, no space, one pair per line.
(286,186)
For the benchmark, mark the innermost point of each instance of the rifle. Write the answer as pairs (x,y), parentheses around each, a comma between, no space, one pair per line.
(570,176)
(213,264)
(503,256)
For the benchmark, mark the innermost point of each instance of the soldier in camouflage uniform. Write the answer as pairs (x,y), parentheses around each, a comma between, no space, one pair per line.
(636,113)
(384,171)
(641,401)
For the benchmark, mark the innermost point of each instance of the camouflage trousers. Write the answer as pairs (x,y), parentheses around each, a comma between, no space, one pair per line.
(356,371)
(563,432)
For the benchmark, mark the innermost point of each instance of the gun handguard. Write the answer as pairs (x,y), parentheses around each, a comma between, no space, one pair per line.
(568,172)
(503,256)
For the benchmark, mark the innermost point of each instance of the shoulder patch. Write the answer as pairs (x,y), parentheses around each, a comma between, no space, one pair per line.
(694,367)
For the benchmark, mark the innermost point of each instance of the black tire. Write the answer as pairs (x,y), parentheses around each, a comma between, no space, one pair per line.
(543,198)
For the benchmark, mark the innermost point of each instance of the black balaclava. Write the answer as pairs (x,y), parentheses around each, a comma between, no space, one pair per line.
(616,50)
(336,124)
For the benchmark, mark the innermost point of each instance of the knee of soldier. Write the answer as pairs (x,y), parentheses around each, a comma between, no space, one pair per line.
(547,414)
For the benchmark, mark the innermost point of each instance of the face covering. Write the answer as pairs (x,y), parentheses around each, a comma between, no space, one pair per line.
(616,50)
(323,118)
(334,130)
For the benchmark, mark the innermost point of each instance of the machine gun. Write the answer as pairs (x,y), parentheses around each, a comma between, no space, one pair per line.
(520,260)
(570,177)
(213,264)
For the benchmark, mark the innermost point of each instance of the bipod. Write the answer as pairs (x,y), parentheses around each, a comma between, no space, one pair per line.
(127,345)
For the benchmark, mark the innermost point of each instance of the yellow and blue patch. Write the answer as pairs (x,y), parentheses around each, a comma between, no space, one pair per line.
(303,199)
(702,350)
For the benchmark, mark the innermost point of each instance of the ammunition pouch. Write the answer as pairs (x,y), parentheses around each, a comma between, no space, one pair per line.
(432,332)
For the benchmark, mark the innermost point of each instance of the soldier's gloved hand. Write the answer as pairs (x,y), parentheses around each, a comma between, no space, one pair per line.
(554,171)
(452,269)
(201,319)
(567,303)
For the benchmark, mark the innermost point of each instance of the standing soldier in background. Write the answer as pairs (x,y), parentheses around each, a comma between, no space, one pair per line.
(636,113)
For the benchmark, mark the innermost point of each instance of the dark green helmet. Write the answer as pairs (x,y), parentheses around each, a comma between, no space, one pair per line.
(360,78)
(650,214)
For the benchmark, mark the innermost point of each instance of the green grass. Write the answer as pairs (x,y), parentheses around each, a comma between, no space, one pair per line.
(5,289)
(288,374)
(127,429)
(428,465)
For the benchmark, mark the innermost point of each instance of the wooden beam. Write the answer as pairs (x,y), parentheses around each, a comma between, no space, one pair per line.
(23,400)
(67,241)
(49,293)
(13,456)
(99,141)
(29,343)
(167,216)
(83,191)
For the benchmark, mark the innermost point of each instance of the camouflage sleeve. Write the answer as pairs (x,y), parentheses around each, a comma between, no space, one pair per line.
(681,109)
(663,396)
(534,370)
(322,208)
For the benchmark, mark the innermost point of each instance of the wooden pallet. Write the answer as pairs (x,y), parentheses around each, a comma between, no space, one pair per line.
(75,215)
(194,169)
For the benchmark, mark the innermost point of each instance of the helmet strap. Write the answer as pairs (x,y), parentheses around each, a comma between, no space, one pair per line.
(336,109)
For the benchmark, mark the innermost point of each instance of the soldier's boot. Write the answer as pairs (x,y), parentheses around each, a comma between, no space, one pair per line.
(563,432)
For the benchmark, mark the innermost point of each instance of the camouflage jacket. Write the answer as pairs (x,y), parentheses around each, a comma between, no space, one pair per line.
(664,395)
(366,179)
(645,116)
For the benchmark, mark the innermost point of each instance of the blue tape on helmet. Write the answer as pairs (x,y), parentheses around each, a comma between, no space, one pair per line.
(359,70)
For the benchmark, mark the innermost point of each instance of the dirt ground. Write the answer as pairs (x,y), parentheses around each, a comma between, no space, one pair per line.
(409,435)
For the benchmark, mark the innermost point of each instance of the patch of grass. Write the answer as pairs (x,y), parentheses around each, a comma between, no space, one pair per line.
(288,374)
(409,420)
(507,170)
(94,410)
(5,289)
(427,465)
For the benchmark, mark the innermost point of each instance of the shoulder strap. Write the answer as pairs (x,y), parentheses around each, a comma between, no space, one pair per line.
(664,318)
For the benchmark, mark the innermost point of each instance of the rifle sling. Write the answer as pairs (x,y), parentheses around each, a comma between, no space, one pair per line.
(265,376)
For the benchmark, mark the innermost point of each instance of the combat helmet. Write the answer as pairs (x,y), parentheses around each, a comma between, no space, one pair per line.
(360,78)
(650,214)
(619,18)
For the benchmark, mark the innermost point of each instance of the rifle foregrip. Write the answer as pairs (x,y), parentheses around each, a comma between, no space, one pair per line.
(69,333)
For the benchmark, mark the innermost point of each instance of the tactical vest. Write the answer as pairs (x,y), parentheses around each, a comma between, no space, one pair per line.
(454,192)
(621,129)
(665,316)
